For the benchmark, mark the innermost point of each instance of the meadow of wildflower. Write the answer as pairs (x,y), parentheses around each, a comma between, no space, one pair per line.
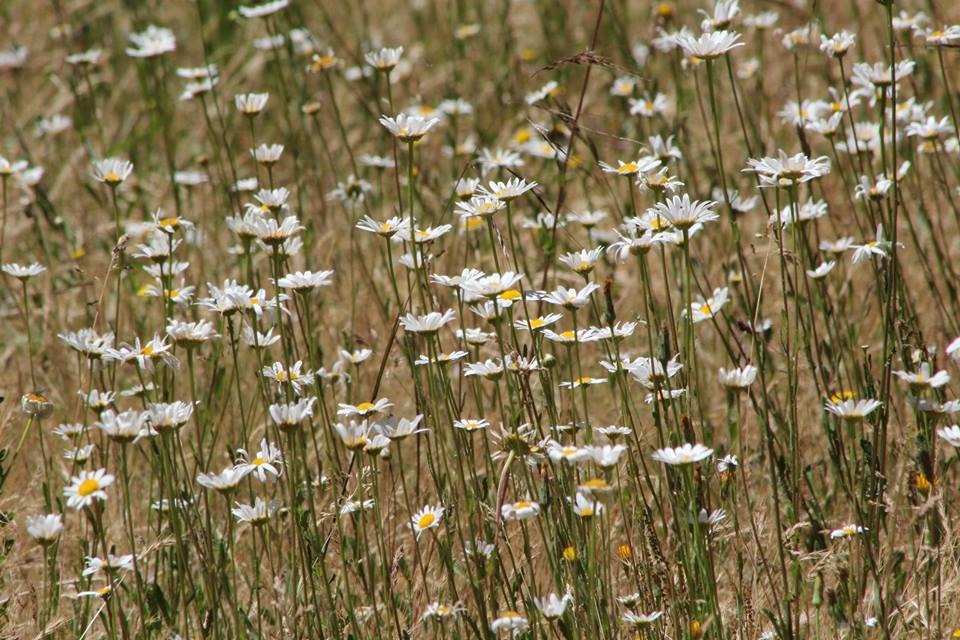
(514,318)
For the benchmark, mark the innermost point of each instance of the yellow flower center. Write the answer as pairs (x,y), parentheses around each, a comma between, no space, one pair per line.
(586,512)
(568,335)
(258,461)
(536,323)
(523,504)
(426,520)
(169,222)
(364,407)
(88,486)
(521,136)
(569,554)
(706,310)
(147,350)
(595,483)
(510,294)
(112,176)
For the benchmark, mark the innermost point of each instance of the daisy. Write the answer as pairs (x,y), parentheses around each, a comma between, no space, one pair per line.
(87,488)
(499,159)
(569,453)
(126,426)
(641,619)
(847,531)
(738,379)
(112,564)
(112,171)
(408,128)
(477,285)
(647,107)
(266,464)
(727,464)
(923,379)
(263,10)
(619,330)
(152,41)
(571,299)
(470,424)
(427,324)
(250,104)
(440,612)
(441,358)
(522,510)
(293,376)
(169,416)
(877,247)
(786,171)
(353,435)
(267,154)
(257,514)
(568,337)
(822,270)
(385,59)
(632,167)
(475,336)
(398,429)
(364,409)
(582,381)
(950,435)
(387,228)
(724,12)
(707,309)
(305,280)
(223,482)
(353,506)
(685,454)
(90,57)
(23,272)
(291,414)
(838,44)
(880,75)
(549,89)
(662,395)
(852,410)
(709,45)
(509,190)
(539,323)
(426,518)
(583,261)
(510,621)
(942,37)
(553,607)
(683,213)
(45,529)
(607,455)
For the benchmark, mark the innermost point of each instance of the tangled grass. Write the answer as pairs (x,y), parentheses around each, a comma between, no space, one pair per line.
(587,320)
